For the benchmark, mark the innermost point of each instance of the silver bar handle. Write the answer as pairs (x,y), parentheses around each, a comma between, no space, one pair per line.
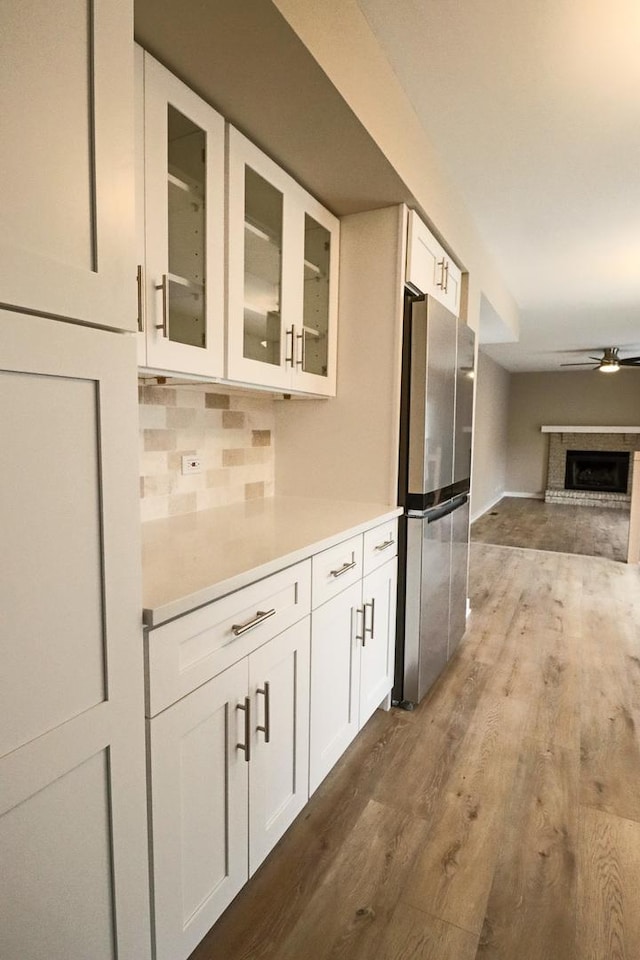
(369,630)
(440,282)
(302,339)
(343,569)
(164,326)
(266,693)
(140,282)
(246,746)
(385,545)
(238,629)
(291,333)
(446,276)
(361,637)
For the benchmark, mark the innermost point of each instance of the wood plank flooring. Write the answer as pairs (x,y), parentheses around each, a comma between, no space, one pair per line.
(559,527)
(500,819)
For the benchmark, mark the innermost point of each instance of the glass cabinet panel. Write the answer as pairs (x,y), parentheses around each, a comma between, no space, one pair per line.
(262,269)
(315,322)
(185,291)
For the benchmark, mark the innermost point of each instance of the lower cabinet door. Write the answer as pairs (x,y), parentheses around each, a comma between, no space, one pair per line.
(378,636)
(335,678)
(279,768)
(199,810)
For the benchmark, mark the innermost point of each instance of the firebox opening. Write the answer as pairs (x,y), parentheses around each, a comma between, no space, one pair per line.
(596,470)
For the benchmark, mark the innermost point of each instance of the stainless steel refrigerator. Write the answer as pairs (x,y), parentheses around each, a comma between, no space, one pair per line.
(435,468)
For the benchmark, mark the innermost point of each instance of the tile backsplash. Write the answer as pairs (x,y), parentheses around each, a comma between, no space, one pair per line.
(232,435)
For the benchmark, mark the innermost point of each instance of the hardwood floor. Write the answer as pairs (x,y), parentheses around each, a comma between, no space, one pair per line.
(559,527)
(500,819)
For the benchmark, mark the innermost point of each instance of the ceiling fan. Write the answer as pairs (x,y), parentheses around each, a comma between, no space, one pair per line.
(609,362)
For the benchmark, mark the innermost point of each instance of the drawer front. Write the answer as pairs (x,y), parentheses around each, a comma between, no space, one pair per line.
(187,652)
(380,545)
(335,569)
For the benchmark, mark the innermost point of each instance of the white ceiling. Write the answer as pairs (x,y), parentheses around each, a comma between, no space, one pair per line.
(534,107)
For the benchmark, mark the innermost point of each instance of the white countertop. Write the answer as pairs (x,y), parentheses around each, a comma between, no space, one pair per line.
(193,559)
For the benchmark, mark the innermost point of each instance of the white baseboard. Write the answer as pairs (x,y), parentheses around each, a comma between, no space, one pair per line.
(483,510)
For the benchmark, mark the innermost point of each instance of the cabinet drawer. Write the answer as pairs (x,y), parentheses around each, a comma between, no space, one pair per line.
(336,568)
(187,652)
(380,545)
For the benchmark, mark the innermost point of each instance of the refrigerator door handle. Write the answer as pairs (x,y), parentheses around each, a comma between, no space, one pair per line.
(439,512)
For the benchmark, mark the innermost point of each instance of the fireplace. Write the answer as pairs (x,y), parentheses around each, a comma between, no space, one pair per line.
(598,470)
(591,484)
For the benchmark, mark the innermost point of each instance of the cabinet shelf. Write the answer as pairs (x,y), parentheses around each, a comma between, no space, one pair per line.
(313,333)
(190,187)
(259,231)
(312,271)
(188,287)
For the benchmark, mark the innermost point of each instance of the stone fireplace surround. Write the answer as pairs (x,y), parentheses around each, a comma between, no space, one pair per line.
(563,438)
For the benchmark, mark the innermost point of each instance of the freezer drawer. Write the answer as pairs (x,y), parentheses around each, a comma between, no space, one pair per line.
(426,634)
(459,572)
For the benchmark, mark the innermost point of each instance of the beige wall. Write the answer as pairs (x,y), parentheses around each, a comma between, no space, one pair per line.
(338,35)
(489,469)
(347,448)
(585,398)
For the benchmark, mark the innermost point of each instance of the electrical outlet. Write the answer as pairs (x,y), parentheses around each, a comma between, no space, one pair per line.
(191,465)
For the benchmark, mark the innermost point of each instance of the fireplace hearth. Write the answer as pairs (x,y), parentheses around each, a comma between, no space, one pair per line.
(597,470)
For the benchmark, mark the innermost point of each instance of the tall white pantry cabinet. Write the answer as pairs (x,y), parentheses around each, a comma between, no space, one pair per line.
(74,877)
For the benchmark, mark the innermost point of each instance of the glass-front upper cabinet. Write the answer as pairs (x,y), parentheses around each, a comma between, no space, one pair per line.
(262,340)
(282,281)
(181,286)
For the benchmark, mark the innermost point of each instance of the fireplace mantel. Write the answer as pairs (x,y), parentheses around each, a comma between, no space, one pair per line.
(547,429)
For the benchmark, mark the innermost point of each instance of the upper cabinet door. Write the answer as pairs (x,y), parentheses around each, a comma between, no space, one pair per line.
(184,227)
(282,281)
(315,336)
(430,269)
(261,238)
(66,160)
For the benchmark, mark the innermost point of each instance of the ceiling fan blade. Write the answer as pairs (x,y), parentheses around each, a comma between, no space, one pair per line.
(629,361)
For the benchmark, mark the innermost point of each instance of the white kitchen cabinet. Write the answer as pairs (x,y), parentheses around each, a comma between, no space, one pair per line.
(199,811)
(335,680)
(252,698)
(352,641)
(429,267)
(228,760)
(279,766)
(73,825)
(180,225)
(378,637)
(66,161)
(282,279)
(352,660)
